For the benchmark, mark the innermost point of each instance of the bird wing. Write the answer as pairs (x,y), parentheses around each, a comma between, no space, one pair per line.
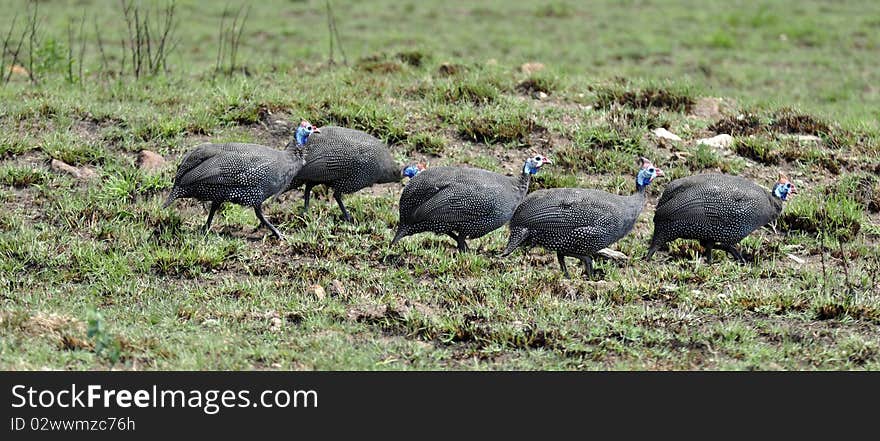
(222,165)
(335,152)
(451,200)
(713,203)
(581,208)
(678,186)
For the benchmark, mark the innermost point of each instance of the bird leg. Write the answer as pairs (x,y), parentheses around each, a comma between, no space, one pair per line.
(338,196)
(733,252)
(653,249)
(708,245)
(561,258)
(306,194)
(588,265)
(459,239)
(259,212)
(214,207)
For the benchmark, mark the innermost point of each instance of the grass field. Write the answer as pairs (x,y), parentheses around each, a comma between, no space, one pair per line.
(95,275)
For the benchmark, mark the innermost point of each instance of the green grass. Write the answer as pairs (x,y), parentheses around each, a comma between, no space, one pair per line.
(95,275)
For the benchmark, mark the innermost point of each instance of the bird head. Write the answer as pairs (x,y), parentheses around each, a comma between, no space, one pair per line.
(783,188)
(304,130)
(534,164)
(647,172)
(410,171)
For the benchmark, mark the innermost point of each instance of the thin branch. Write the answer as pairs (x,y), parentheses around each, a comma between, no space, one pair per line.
(236,42)
(104,63)
(220,39)
(82,45)
(330,30)
(6,46)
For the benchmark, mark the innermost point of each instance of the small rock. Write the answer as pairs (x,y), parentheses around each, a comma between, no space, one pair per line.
(276,324)
(532,67)
(660,132)
(336,288)
(804,138)
(721,141)
(681,154)
(148,160)
(612,254)
(707,108)
(541,95)
(317,291)
(82,173)
(795,258)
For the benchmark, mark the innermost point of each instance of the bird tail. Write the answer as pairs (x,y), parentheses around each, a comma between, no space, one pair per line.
(517,237)
(402,231)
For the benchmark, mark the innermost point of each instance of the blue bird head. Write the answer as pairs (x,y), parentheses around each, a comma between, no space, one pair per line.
(303,131)
(410,171)
(647,173)
(534,164)
(783,188)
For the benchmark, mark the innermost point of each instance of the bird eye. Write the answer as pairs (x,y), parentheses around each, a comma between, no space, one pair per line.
(787,186)
(537,158)
(651,170)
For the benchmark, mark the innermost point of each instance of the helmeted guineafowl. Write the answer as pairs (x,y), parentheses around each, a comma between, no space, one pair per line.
(577,222)
(346,160)
(243,174)
(715,209)
(462,202)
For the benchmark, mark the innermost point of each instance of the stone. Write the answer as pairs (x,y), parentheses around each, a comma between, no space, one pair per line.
(531,67)
(317,291)
(81,173)
(662,133)
(721,141)
(707,108)
(150,161)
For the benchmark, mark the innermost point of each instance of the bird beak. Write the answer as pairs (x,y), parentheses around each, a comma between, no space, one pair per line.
(793,190)
(316,130)
(547,161)
(660,172)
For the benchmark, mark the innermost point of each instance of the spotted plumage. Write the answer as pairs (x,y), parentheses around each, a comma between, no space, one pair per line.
(345,160)
(715,209)
(462,202)
(578,222)
(243,174)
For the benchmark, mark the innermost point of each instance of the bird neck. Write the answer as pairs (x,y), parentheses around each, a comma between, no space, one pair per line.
(391,172)
(294,146)
(640,195)
(776,203)
(523,181)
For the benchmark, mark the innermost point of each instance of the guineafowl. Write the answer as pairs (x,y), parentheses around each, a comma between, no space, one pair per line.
(578,222)
(462,202)
(715,209)
(243,174)
(346,160)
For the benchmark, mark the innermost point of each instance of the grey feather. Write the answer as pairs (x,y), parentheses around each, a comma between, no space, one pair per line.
(243,174)
(462,202)
(714,209)
(347,161)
